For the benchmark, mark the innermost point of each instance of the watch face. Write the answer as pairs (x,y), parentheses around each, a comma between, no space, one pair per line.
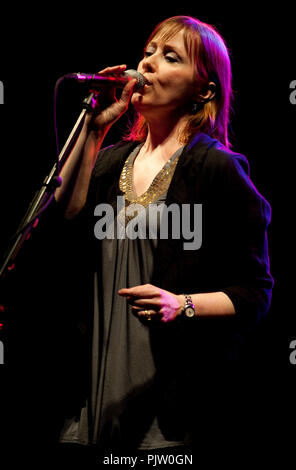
(189,312)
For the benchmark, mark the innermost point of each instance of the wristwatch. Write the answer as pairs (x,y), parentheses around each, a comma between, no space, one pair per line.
(189,308)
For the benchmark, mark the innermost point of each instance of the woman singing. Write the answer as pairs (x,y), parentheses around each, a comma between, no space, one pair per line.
(169,312)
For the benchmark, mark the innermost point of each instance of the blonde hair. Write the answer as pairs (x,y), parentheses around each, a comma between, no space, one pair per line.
(209,53)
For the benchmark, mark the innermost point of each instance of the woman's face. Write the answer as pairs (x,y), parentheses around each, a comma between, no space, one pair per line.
(170,75)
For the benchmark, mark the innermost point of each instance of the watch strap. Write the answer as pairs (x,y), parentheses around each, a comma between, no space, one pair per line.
(189,307)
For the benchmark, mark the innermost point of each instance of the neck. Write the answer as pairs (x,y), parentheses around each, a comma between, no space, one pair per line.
(164,134)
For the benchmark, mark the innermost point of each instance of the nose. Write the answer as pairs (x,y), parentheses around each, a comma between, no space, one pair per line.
(149,63)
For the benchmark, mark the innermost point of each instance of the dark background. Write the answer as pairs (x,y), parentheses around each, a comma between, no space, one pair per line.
(40,46)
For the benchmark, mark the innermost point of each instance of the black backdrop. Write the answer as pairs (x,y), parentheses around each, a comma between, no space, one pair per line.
(42,44)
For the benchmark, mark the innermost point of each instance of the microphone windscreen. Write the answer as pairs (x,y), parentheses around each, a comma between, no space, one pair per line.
(141,80)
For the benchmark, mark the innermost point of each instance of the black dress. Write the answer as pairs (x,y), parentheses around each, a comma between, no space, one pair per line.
(124,384)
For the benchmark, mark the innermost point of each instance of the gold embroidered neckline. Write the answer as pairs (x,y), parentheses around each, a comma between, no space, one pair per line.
(159,185)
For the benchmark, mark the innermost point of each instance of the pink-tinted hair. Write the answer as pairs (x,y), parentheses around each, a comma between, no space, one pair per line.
(210,56)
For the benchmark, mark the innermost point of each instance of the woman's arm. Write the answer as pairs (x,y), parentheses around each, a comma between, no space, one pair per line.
(212,304)
(166,306)
(77,170)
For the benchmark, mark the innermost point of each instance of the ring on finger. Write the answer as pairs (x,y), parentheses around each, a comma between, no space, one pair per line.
(147,314)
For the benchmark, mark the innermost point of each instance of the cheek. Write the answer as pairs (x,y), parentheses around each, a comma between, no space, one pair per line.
(179,86)
(177,80)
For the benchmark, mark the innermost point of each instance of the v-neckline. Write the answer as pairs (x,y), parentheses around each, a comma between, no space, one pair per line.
(156,177)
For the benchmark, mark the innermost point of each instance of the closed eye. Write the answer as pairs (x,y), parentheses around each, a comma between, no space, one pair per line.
(147,53)
(170,54)
(170,58)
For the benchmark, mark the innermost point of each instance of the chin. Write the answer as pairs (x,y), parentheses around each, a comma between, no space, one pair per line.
(139,101)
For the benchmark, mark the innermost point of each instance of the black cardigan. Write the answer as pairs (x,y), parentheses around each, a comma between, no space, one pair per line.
(233,257)
(191,357)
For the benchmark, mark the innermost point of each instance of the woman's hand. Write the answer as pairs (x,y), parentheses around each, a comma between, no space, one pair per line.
(160,304)
(109,109)
(76,172)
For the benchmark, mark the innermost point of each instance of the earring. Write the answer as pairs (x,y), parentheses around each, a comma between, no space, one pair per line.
(195,108)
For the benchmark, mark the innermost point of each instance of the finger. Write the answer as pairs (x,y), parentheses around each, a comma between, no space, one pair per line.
(127,92)
(146,290)
(124,291)
(145,303)
(117,69)
(148,314)
(119,107)
(135,296)
(141,311)
(135,309)
(151,302)
(111,113)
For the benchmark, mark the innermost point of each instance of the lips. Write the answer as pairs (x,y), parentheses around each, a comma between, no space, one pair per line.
(148,82)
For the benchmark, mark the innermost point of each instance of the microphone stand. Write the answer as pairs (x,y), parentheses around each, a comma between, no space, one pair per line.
(44,196)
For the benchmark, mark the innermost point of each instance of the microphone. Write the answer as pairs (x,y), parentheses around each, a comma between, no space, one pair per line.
(96,82)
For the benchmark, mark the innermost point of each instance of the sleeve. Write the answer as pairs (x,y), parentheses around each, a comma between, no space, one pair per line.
(73,238)
(242,219)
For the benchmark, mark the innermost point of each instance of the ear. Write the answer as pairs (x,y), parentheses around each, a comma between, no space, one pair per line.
(208,93)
